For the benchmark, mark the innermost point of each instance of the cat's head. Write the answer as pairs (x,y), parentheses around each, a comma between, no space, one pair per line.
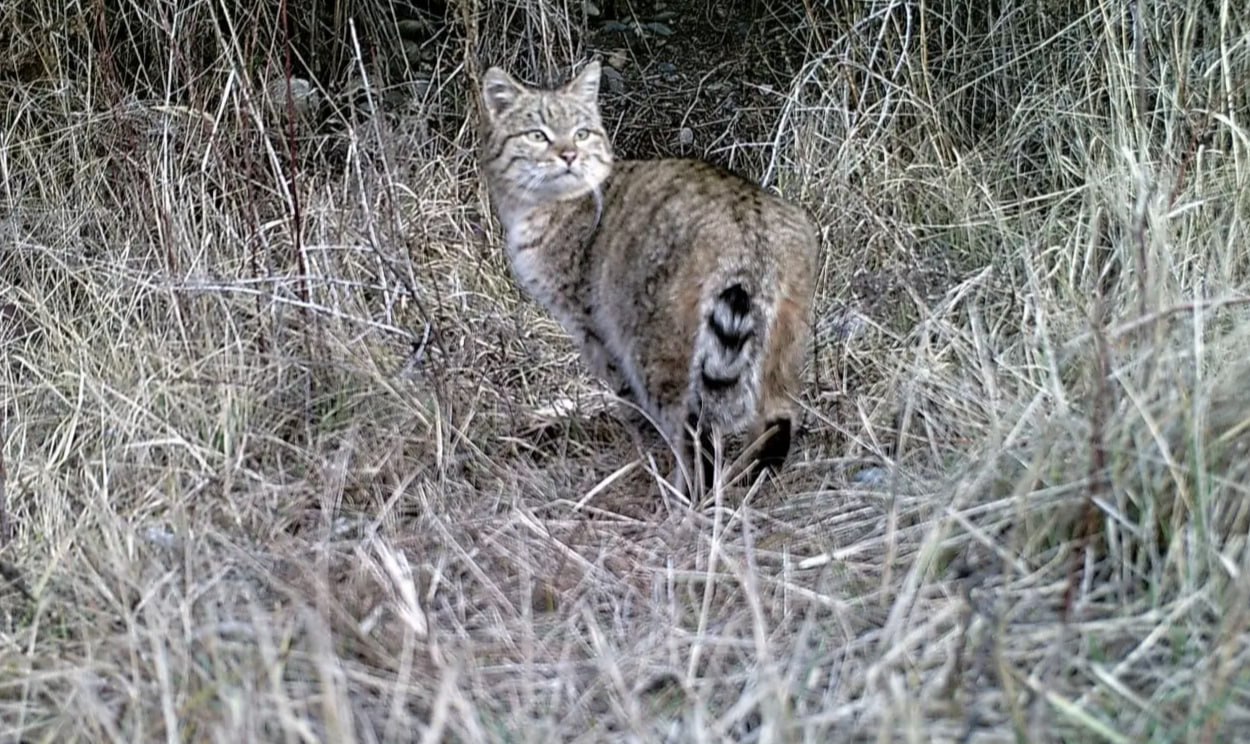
(544,145)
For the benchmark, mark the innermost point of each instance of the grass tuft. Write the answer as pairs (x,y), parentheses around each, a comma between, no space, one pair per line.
(286,455)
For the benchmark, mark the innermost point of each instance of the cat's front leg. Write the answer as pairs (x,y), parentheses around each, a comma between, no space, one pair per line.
(602,363)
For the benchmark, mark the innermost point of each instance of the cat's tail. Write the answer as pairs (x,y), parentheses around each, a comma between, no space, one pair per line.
(727,351)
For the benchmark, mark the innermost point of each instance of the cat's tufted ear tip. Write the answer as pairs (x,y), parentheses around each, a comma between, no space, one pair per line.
(586,84)
(499,91)
(497,74)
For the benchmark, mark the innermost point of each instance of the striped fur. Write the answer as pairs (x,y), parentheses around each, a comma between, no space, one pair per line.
(682,283)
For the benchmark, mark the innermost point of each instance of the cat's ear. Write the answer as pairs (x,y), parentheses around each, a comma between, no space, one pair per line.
(586,85)
(499,92)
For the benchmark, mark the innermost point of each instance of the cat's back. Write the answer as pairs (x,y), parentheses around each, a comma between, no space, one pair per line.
(697,220)
(693,195)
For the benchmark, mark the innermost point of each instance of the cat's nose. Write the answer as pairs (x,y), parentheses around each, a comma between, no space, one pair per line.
(568,155)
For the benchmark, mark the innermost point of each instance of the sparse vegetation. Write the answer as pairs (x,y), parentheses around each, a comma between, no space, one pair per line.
(285,456)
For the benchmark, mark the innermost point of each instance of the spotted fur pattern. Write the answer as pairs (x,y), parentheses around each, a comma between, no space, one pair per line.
(683,285)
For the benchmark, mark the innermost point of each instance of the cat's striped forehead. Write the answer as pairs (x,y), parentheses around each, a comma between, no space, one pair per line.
(510,104)
(552,109)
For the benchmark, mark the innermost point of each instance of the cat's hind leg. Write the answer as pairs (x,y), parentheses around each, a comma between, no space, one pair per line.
(777,414)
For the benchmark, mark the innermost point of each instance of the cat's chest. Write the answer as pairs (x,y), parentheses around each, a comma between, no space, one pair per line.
(520,233)
(533,271)
(546,256)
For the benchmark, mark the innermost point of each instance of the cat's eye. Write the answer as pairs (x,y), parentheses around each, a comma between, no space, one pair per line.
(537,135)
(581,134)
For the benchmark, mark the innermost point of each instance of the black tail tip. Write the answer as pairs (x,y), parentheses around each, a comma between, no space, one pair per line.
(737,299)
(776,446)
(730,319)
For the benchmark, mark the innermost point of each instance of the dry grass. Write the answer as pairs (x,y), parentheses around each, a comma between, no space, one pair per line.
(287,457)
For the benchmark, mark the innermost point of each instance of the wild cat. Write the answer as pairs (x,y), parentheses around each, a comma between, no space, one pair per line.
(685,287)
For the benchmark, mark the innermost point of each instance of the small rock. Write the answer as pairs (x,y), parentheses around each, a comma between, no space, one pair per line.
(347,526)
(685,137)
(412,51)
(161,537)
(615,80)
(413,28)
(304,97)
(873,477)
(619,58)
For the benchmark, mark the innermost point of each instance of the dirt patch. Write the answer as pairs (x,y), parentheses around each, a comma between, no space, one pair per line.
(698,79)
